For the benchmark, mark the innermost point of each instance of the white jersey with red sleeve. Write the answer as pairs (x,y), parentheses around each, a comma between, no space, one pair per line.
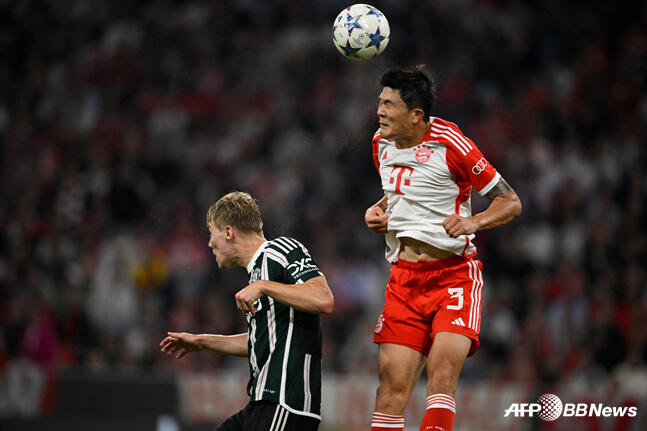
(427,183)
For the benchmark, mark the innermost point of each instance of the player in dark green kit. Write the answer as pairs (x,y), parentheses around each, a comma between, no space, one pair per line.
(282,302)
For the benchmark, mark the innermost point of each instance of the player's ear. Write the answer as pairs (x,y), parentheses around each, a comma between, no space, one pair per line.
(417,116)
(229,232)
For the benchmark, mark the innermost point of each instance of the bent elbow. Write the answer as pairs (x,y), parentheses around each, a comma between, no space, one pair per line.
(517,207)
(328,306)
(512,206)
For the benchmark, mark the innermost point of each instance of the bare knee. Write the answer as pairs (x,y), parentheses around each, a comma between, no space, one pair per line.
(442,379)
(392,397)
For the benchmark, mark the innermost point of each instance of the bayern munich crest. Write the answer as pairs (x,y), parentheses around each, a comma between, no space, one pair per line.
(423,154)
(380,323)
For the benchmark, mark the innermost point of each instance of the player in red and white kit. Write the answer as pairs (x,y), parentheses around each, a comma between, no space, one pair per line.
(432,312)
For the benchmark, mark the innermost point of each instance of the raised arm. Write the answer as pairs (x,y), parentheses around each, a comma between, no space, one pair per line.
(184,342)
(312,296)
(504,207)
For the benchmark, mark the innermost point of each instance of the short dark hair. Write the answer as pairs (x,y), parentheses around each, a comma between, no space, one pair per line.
(236,209)
(416,87)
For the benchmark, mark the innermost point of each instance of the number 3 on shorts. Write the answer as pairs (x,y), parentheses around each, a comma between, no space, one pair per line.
(456,292)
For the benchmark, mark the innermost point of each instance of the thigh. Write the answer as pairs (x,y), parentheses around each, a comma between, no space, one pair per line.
(400,366)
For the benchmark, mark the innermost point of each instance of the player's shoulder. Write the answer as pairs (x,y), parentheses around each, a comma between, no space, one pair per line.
(284,245)
(377,137)
(444,127)
(442,121)
(450,134)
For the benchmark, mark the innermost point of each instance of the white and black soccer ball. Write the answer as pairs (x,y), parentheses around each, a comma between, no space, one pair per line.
(360,32)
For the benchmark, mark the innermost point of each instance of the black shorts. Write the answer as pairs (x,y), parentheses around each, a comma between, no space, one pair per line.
(267,416)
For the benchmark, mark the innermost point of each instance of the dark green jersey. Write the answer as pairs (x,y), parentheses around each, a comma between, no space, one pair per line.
(284,343)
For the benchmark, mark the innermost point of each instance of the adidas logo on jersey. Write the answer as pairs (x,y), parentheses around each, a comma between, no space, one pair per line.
(458,322)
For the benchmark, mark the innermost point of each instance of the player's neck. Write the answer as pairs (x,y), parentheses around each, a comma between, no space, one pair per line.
(414,137)
(247,247)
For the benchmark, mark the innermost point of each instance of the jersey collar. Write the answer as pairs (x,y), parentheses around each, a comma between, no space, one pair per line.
(252,261)
(425,138)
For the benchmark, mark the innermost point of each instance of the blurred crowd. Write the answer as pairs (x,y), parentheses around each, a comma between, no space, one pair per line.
(121,122)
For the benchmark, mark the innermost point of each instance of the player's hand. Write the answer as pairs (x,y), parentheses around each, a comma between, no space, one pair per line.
(376,220)
(246,297)
(456,225)
(182,341)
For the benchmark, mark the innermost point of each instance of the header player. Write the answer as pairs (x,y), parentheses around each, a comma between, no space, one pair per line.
(285,294)
(432,312)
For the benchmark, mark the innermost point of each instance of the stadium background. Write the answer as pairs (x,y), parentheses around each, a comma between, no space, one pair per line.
(121,122)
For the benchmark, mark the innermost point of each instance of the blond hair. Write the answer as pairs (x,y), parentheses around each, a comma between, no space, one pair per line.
(236,209)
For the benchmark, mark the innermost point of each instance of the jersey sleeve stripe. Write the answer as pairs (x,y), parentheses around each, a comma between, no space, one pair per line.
(292,242)
(287,244)
(457,135)
(277,258)
(301,246)
(453,136)
(281,246)
(449,139)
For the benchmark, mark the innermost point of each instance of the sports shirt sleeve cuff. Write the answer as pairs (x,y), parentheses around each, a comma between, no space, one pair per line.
(490,185)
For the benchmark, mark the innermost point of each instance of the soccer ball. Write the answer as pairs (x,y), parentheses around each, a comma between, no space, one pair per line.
(360,32)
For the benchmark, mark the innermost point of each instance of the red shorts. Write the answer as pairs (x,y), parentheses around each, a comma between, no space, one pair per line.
(424,298)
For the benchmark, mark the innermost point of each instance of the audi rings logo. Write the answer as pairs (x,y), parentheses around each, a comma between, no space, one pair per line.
(479,166)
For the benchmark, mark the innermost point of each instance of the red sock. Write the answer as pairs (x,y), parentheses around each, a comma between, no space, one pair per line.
(440,413)
(384,422)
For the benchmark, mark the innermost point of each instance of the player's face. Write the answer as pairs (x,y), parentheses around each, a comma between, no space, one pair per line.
(393,114)
(221,247)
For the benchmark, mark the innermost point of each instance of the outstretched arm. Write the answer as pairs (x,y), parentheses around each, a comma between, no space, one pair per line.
(312,296)
(184,342)
(504,207)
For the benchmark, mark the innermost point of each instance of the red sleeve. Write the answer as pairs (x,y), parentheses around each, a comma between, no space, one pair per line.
(466,161)
(375,149)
